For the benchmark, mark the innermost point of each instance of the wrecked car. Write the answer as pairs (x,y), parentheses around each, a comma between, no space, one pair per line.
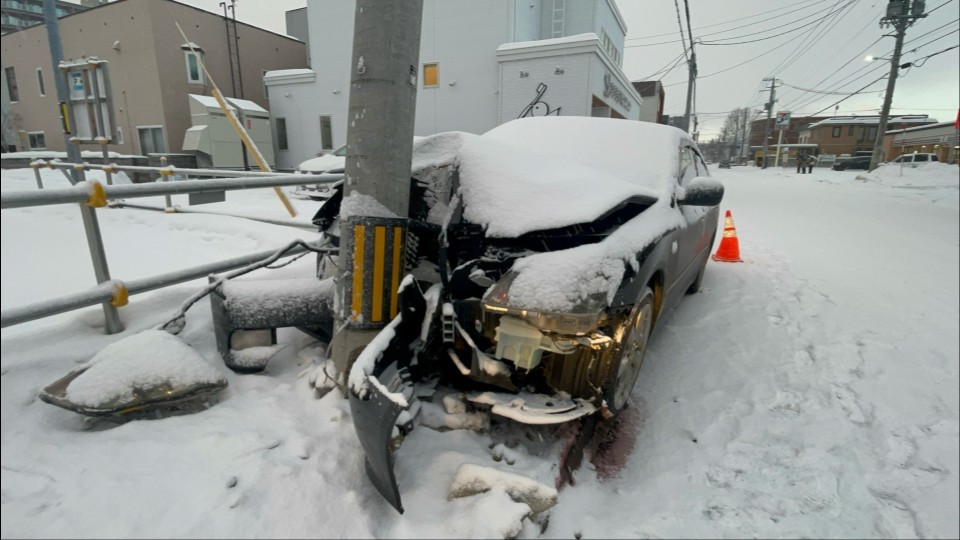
(537,258)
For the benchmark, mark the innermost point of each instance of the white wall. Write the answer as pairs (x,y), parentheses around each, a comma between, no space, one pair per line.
(525,22)
(598,69)
(466,55)
(568,91)
(295,103)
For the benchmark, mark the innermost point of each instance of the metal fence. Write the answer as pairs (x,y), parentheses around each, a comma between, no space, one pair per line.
(92,195)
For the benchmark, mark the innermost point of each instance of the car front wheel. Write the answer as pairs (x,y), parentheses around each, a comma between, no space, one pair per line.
(632,345)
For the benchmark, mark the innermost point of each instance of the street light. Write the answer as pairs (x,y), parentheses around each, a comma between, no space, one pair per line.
(871,58)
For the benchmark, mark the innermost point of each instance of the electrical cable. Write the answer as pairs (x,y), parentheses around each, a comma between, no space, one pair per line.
(731,21)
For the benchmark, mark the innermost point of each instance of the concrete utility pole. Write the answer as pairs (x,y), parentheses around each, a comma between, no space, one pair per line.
(383,99)
(63,97)
(901,14)
(692,75)
(766,127)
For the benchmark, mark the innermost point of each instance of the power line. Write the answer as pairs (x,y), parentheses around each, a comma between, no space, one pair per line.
(739,20)
(682,38)
(716,42)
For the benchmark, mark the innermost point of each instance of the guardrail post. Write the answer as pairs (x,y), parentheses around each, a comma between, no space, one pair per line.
(165,177)
(36,172)
(91,227)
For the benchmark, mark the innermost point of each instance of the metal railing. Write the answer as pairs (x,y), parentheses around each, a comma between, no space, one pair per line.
(91,195)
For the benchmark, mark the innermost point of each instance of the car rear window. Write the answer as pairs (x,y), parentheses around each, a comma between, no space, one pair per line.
(920,157)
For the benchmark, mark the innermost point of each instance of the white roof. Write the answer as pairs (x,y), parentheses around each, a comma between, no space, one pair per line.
(287,72)
(209,101)
(232,103)
(921,128)
(590,36)
(868,120)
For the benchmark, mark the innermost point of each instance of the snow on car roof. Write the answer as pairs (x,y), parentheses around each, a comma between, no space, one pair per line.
(541,173)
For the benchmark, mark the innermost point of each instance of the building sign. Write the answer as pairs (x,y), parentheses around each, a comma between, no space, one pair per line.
(783,120)
(612,91)
(538,107)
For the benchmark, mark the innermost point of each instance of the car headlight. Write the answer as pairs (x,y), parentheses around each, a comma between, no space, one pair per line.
(581,320)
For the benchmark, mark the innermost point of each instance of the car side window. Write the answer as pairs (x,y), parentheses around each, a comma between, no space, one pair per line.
(920,157)
(934,158)
(688,170)
(898,160)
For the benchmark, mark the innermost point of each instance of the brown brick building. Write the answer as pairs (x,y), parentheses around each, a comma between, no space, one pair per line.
(840,135)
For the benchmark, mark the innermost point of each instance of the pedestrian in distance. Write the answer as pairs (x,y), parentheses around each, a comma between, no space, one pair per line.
(800,162)
(811,161)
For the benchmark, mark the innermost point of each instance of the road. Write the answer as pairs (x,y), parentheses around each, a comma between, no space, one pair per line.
(810,391)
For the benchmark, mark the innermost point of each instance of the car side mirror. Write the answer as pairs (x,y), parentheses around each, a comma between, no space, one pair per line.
(701,191)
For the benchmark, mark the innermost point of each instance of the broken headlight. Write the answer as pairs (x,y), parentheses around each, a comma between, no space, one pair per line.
(582,320)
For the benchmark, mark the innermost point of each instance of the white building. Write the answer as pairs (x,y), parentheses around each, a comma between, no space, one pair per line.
(481,64)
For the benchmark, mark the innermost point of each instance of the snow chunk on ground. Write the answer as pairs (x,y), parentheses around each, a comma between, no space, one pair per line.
(472,479)
(138,363)
(933,175)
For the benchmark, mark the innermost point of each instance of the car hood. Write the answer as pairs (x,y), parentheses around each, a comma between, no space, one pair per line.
(322,163)
(512,189)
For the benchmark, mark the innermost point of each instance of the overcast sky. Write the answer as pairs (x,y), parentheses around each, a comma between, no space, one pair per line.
(819,37)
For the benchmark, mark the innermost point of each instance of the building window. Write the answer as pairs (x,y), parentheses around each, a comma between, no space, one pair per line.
(194,72)
(836,132)
(559,18)
(282,134)
(872,135)
(326,132)
(43,89)
(850,131)
(12,84)
(37,140)
(151,139)
(431,75)
(608,46)
(119,135)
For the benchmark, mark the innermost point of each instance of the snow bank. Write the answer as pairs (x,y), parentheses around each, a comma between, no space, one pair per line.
(927,176)
(472,479)
(138,364)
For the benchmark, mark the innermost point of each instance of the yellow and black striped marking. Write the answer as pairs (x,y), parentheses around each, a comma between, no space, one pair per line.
(377,262)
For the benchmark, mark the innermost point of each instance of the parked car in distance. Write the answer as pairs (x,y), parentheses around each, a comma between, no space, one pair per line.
(331,163)
(724,164)
(915,160)
(859,162)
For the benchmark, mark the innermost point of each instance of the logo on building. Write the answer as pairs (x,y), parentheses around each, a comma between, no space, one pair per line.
(538,107)
(612,91)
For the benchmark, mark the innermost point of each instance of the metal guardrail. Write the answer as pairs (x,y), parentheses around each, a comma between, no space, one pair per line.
(107,291)
(82,192)
(91,195)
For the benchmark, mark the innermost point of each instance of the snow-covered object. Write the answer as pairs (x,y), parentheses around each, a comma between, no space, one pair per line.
(140,364)
(932,175)
(576,169)
(473,479)
(434,416)
(360,204)
(253,303)
(254,356)
(363,366)
(499,178)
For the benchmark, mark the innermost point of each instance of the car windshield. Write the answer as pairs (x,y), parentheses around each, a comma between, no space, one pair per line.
(340,152)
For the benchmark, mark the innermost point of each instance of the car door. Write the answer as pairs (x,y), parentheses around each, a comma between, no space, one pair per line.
(692,231)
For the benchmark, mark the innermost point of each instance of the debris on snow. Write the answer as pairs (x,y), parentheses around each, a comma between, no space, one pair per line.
(434,416)
(472,479)
(140,363)
(254,357)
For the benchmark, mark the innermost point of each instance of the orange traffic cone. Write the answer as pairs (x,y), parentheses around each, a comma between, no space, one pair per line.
(729,250)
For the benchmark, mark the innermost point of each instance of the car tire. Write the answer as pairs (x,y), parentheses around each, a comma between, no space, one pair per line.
(632,346)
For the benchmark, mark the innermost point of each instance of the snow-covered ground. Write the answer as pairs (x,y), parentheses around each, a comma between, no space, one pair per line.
(810,391)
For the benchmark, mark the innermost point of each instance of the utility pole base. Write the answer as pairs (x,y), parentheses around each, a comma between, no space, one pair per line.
(346,346)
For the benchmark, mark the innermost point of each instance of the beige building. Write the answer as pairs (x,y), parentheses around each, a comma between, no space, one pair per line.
(152,70)
(841,135)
